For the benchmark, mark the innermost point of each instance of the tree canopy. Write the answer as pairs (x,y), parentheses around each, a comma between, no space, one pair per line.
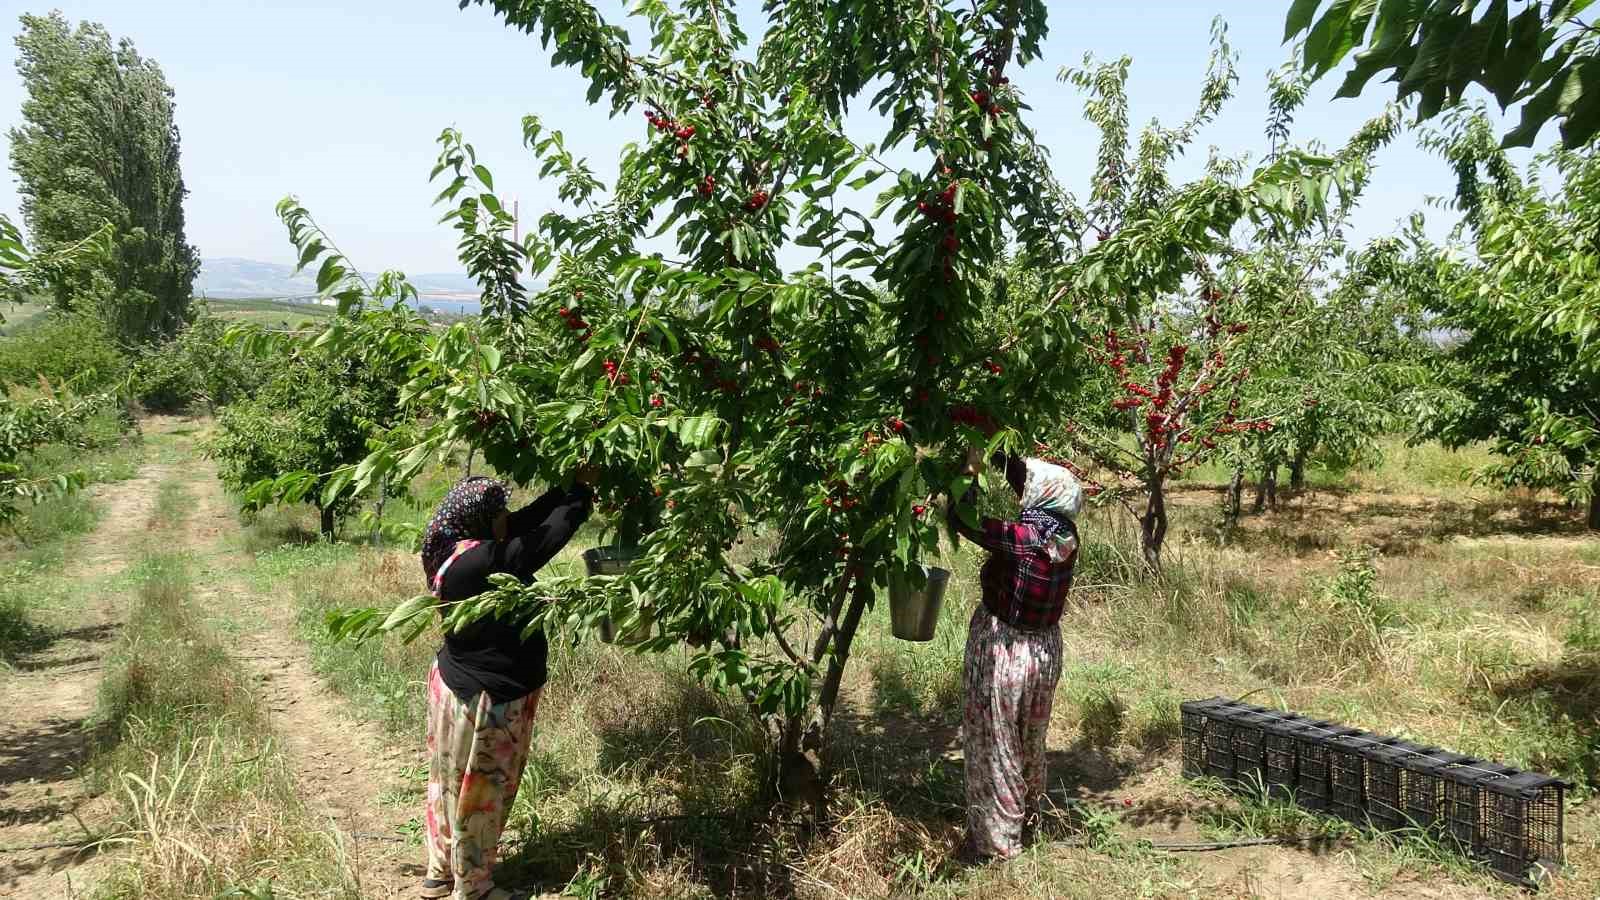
(98,146)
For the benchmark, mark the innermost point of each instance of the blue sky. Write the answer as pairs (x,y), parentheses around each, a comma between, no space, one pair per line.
(339,102)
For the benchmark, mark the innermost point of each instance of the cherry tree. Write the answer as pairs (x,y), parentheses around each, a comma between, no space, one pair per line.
(1176,356)
(772,438)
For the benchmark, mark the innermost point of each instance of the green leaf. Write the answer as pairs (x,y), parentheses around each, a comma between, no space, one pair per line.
(1299,19)
(329,274)
(407,610)
(484,176)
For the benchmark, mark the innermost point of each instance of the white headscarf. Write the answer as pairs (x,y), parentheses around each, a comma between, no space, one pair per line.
(1049,491)
(1051,488)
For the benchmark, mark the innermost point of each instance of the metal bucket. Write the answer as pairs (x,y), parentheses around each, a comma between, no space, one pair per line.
(614,561)
(914,611)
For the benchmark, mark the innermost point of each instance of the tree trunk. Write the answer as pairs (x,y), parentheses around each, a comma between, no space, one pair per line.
(1297,470)
(804,767)
(1153,528)
(1233,503)
(377,516)
(1594,510)
(328,521)
(1267,488)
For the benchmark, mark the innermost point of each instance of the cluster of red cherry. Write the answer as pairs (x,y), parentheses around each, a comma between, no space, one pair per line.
(665,124)
(614,373)
(574,321)
(943,209)
(967,414)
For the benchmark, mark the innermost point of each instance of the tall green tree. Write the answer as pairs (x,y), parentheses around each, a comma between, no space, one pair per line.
(98,145)
(1523,371)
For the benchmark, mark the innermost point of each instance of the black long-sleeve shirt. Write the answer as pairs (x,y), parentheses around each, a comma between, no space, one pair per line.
(490,655)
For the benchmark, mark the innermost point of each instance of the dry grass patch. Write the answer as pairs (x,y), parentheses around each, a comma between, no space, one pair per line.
(206,803)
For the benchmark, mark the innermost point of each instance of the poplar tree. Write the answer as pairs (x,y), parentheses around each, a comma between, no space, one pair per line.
(98,145)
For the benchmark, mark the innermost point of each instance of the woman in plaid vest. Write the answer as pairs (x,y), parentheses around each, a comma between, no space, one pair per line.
(1013,656)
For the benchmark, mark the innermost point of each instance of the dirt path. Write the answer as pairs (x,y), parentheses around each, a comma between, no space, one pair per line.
(342,766)
(50,697)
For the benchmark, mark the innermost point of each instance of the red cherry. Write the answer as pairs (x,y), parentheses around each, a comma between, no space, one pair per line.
(918,510)
(897,425)
(563,312)
(980,97)
(685,133)
(656,402)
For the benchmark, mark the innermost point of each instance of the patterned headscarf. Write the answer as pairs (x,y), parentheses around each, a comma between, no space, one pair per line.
(468,511)
(1050,495)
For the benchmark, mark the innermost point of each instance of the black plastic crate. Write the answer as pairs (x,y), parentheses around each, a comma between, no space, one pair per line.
(1347,775)
(1219,747)
(1196,717)
(1386,774)
(1422,790)
(1280,751)
(1249,748)
(1312,786)
(1463,800)
(1520,826)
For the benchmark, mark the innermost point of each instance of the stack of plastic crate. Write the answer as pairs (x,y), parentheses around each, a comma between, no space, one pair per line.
(1510,819)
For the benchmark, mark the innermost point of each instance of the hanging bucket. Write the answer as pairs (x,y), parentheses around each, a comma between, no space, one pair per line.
(614,561)
(914,611)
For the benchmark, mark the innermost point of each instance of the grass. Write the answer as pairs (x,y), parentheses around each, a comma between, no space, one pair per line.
(33,554)
(206,802)
(1398,597)
(269,313)
(20,633)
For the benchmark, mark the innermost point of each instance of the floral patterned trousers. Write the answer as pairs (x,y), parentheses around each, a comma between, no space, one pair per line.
(476,752)
(1010,678)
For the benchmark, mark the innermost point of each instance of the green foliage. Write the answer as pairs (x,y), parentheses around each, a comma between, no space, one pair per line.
(1523,370)
(1542,57)
(1192,311)
(25,426)
(63,349)
(773,439)
(197,368)
(313,415)
(98,146)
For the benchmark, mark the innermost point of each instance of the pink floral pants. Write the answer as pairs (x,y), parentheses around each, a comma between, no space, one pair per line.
(1010,679)
(476,752)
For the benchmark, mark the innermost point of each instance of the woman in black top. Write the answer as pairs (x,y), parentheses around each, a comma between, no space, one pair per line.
(484,687)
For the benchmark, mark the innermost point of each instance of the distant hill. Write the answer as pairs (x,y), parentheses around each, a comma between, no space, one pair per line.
(232,277)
